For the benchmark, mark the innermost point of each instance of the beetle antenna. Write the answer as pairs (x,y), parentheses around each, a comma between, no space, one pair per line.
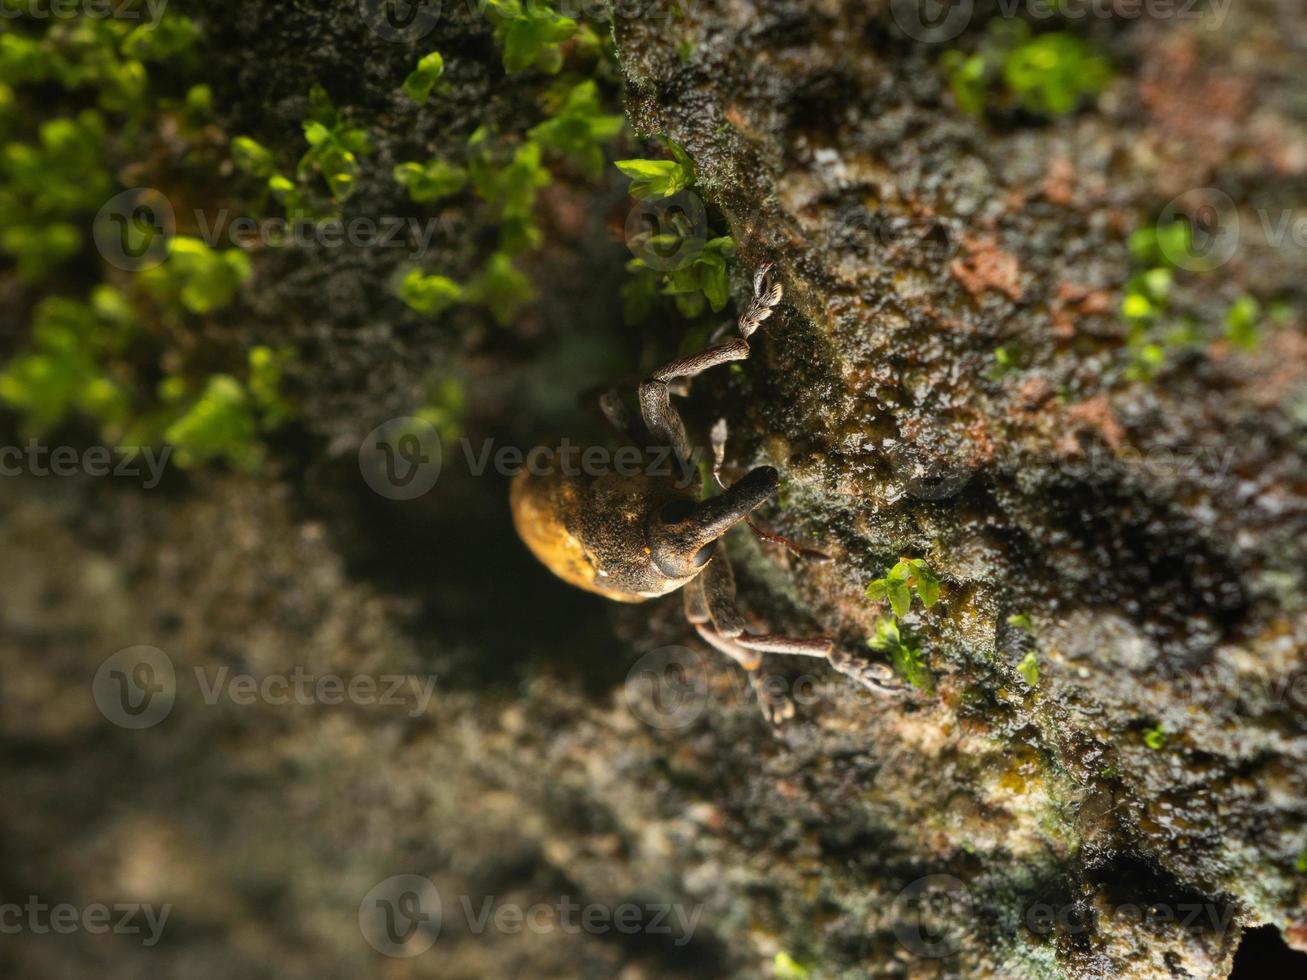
(718,440)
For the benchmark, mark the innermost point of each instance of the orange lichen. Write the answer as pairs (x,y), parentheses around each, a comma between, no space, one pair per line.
(1060,181)
(987,266)
(1075,300)
(1094,415)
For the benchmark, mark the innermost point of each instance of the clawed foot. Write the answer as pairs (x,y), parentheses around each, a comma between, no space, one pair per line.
(876,677)
(776,704)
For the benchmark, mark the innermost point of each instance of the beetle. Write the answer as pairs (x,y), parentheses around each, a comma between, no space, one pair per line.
(635,536)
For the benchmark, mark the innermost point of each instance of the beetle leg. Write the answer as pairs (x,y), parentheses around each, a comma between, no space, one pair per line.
(876,677)
(717,439)
(615,412)
(710,606)
(655,396)
(698,612)
(776,704)
(802,646)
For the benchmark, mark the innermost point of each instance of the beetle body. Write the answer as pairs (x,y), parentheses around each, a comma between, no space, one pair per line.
(628,537)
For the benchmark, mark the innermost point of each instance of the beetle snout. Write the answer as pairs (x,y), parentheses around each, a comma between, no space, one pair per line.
(682,540)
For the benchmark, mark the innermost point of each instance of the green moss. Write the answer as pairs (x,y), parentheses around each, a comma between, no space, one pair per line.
(220,423)
(501,287)
(507,171)
(196,277)
(1242,321)
(1048,74)
(1022,622)
(429,294)
(897,585)
(659,178)
(334,146)
(531,34)
(1029,669)
(422,80)
(1054,73)
(905,656)
(701,283)
(444,409)
(579,129)
(430,181)
(509,188)
(639,292)
(65,368)
(1155,738)
(1005,362)
(786,967)
(91,358)
(165,38)
(225,420)
(47,189)
(1153,333)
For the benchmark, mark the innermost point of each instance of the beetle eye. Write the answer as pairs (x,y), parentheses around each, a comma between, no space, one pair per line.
(676,511)
(704,553)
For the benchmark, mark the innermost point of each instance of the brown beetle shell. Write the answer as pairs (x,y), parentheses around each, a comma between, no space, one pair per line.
(594,532)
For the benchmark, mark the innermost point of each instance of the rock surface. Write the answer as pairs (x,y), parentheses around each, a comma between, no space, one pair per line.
(1129,813)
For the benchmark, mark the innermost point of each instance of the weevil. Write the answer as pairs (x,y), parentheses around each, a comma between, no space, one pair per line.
(636,536)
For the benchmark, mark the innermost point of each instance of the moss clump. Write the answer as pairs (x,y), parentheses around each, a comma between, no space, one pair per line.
(195,277)
(1154,332)
(422,80)
(227,418)
(1029,669)
(1048,74)
(905,656)
(66,367)
(898,584)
